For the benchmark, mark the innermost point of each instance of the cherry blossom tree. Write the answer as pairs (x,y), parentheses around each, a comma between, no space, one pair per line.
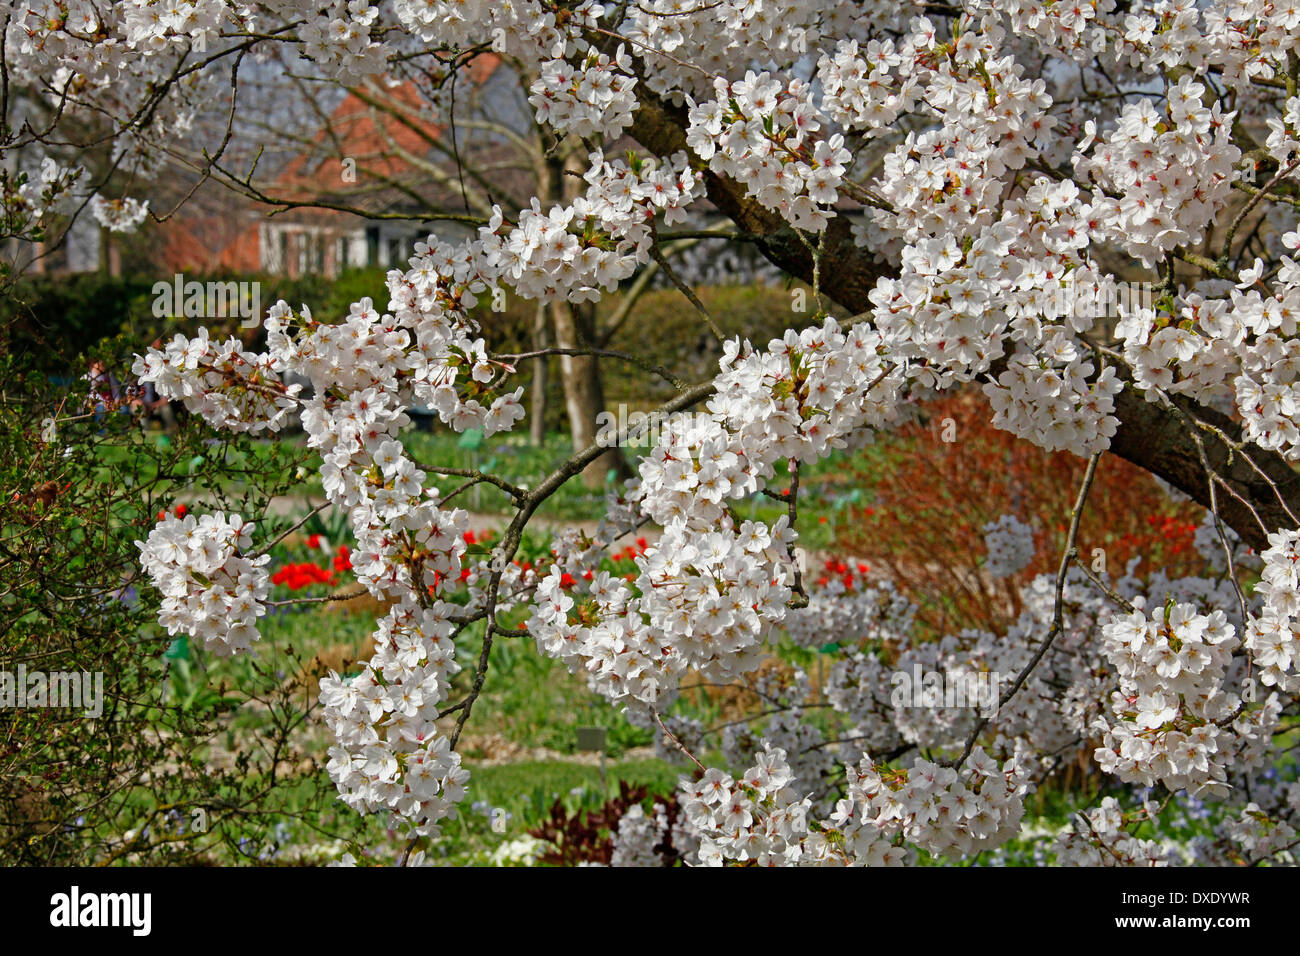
(964,187)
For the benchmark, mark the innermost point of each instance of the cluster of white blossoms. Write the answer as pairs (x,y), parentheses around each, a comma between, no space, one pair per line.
(757,818)
(527,29)
(1057,408)
(212,586)
(706,603)
(944,181)
(1010,543)
(811,760)
(1171,706)
(1267,391)
(56,38)
(53,191)
(970,275)
(936,808)
(1195,356)
(714,598)
(1163,175)
(1072,29)
(1283,142)
(1262,835)
(229,386)
(1273,635)
(119,215)
(763,816)
(619,653)
(763,133)
(364,372)
(156,26)
(388,754)
(455,23)
(420,547)
(594,98)
(685,43)
(336,36)
(596,242)
(1250,343)
(1235,353)
(1098,837)
(802,397)
(857,89)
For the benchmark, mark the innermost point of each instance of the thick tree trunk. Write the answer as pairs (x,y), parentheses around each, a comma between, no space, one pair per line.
(1161,441)
(1150,436)
(584,393)
(574,328)
(541,370)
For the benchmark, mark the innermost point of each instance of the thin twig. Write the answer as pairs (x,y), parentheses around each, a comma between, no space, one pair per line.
(1058,613)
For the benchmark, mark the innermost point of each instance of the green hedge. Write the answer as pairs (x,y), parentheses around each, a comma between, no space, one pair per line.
(56,319)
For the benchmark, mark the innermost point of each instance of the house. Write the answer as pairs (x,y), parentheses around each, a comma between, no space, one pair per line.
(374,154)
(368,156)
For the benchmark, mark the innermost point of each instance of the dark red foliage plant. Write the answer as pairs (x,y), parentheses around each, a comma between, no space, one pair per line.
(587,835)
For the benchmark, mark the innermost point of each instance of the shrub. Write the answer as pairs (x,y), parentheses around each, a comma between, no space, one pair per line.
(587,836)
(929,499)
(177,767)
